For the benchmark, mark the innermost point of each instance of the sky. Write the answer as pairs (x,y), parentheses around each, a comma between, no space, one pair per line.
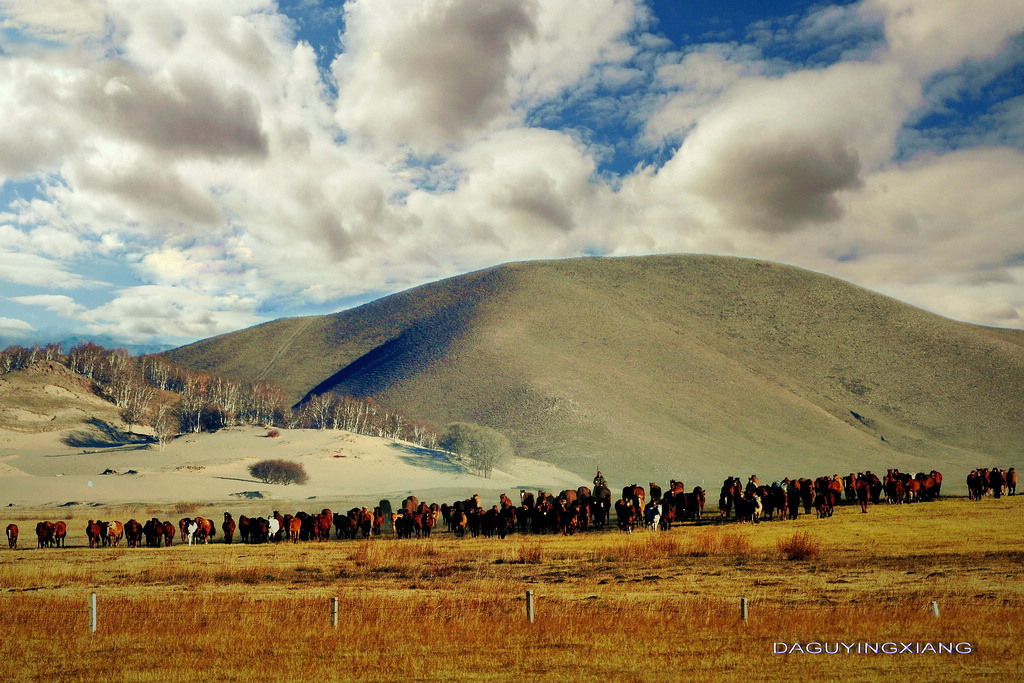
(170,171)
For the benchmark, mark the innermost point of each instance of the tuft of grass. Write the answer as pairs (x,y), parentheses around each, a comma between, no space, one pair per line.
(713,543)
(185,508)
(526,553)
(800,546)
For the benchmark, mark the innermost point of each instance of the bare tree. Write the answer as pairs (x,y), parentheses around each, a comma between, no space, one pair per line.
(165,425)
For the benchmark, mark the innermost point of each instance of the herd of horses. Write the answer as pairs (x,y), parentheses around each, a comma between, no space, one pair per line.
(567,512)
(995,482)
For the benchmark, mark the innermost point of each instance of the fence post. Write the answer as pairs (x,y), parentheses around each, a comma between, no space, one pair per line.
(92,613)
(743,609)
(334,612)
(935,609)
(530,615)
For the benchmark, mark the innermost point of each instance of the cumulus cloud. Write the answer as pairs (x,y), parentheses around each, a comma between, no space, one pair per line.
(199,147)
(773,153)
(184,113)
(573,40)
(927,36)
(696,83)
(427,71)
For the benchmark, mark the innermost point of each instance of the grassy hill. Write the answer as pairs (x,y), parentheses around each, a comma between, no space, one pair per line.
(691,367)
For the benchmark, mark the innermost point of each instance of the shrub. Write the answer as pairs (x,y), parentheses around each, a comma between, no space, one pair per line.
(801,546)
(273,434)
(279,472)
(184,508)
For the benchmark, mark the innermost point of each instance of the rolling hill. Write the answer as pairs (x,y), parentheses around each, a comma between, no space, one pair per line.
(693,367)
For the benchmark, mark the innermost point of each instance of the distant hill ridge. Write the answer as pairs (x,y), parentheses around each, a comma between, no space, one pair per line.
(684,366)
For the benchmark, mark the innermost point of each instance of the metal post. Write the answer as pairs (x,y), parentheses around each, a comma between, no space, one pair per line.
(743,609)
(935,609)
(530,615)
(334,612)
(92,613)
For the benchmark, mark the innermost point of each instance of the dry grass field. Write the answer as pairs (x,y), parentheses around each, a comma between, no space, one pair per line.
(649,606)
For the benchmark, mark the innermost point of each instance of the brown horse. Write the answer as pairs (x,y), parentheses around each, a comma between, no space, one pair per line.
(153,530)
(133,533)
(60,532)
(44,534)
(228,527)
(626,513)
(863,490)
(12,535)
(168,533)
(207,529)
(322,525)
(634,493)
(459,523)
(94,532)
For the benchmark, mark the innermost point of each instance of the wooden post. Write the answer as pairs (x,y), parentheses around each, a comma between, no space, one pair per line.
(334,612)
(935,609)
(530,614)
(92,613)
(743,609)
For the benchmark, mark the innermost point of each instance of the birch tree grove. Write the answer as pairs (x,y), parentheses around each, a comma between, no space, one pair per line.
(207,401)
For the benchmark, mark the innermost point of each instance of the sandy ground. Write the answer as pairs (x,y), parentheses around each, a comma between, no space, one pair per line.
(40,470)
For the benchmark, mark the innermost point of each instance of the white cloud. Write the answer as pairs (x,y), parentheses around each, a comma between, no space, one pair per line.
(930,35)
(64,20)
(139,313)
(64,306)
(772,154)
(14,327)
(522,194)
(183,112)
(197,144)
(570,41)
(30,269)
(697,83)
(427,72)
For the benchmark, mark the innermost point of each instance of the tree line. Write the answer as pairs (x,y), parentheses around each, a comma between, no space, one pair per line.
(207,401)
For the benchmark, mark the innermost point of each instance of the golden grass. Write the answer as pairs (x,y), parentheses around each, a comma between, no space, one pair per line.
(799,546)
(609,605)
(185,508)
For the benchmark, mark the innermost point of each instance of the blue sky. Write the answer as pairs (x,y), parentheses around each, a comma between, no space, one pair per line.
(172,171)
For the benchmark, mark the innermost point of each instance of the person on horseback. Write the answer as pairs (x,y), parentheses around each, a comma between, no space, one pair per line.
(599,479)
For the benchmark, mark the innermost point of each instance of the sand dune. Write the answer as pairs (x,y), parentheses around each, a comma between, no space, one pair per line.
(40,471)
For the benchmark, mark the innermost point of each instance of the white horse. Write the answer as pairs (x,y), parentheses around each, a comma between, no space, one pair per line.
(275,526)
(190,530)
(758,509)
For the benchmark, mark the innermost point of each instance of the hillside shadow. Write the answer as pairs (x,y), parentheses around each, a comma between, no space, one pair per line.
(106,435)
(438,461)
